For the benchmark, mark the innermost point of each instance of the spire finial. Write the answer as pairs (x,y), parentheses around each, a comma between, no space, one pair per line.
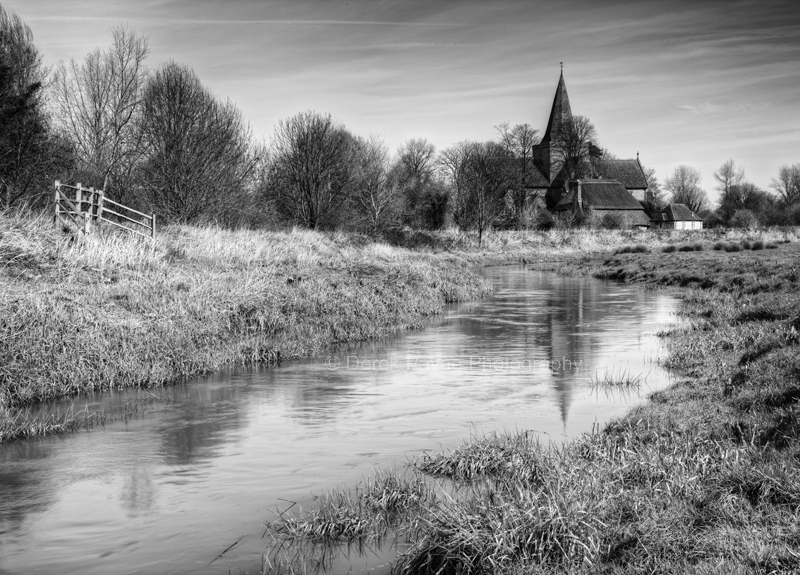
(637,155)
(562,67)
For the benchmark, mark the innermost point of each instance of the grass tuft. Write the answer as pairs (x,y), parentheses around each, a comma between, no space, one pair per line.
(637,249)
(617,378)
(487,456)
(363,514)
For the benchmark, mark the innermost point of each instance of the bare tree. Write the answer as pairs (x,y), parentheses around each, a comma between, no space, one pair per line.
(728,176)
(488,175)
(452,165)
(574,145)
(29,152)
(684,186)
(653,186)
(733,190)
(520,141)
(787,184)
(198,154)
(310,175)
(99,103)
(376,192)
(417,156)
(425,196)
(654,200)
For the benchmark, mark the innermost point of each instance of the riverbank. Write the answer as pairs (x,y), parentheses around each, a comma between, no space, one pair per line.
(703,478)
(116,311)
(120,312)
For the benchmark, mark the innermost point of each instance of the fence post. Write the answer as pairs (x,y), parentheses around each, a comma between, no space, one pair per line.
(78,198)
(58,201)
(101,194)
(153,226)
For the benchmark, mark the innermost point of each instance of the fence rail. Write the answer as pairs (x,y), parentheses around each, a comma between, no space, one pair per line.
(79,207)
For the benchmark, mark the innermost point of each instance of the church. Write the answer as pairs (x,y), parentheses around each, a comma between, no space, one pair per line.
(615,186)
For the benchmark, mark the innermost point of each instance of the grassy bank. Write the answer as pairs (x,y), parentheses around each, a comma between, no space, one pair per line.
(117,312)
(703,478)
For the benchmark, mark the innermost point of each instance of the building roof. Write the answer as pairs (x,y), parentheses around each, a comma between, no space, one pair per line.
(559,113)
(628,172)
(634,217)
(602,195)
(678,213)
(534,178)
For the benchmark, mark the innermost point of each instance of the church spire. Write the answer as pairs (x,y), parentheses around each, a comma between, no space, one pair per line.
(560,112)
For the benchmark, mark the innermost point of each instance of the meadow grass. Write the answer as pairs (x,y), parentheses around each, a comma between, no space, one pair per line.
(119,311)
(115,311)
(702,478)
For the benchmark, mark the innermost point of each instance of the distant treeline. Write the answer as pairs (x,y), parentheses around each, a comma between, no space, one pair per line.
(159,140)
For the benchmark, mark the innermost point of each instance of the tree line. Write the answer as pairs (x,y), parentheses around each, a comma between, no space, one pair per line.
(159,140)
(741,203)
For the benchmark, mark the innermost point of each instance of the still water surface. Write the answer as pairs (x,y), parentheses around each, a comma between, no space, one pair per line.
(209,461)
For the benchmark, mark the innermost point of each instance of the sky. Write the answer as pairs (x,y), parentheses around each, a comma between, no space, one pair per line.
(679,82)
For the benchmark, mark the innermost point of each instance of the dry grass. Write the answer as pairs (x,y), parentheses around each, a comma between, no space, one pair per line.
(703,478)
(116,311)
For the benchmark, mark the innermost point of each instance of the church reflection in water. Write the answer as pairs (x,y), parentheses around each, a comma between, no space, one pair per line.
(209,456)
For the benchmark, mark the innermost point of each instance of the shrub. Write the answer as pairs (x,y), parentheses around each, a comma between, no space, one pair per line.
(669,249)
(686,248)
(698,247)
(733,247)
(758,245)
(637,249)
(744,219)
(614,221)
(720,246)
(771,246)
(543,220)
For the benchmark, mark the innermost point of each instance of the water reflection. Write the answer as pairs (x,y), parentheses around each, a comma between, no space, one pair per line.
(205,464)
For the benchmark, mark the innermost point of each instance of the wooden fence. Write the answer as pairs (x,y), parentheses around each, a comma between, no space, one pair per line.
(79,208)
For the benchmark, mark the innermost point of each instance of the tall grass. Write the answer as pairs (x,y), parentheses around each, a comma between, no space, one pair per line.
(115,311)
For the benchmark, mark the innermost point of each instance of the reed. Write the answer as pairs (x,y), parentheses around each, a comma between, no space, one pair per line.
(617,377)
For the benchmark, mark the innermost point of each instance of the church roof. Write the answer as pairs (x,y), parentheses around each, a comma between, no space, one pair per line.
(559,113)
(677,213)
(602,195)
(628,172)
(534,178)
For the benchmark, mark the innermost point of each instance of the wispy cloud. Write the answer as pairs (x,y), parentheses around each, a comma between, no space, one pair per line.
(223,22)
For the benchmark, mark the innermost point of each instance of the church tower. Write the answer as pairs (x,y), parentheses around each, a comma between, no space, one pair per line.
(560,113)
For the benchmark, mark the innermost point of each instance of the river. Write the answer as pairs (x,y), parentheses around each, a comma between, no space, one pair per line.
(199,467)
